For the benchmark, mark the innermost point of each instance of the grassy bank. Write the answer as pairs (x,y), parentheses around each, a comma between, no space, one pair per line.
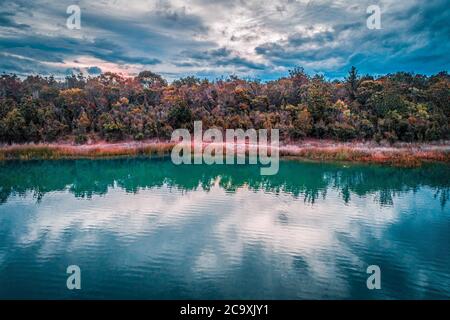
(403,155)
(402,158)
(56,151)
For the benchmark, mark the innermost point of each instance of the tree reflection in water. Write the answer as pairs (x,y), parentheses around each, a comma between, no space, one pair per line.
(85,178)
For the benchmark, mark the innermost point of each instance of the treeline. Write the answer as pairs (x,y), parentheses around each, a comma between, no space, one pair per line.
(395,107)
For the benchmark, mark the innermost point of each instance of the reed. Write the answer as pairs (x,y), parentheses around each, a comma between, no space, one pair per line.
(53,152)
(404,157)
(400,157)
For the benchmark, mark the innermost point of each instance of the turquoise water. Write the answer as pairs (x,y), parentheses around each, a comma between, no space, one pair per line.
(147,229)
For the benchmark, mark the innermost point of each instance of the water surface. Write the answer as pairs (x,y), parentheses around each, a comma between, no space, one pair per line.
(147,229)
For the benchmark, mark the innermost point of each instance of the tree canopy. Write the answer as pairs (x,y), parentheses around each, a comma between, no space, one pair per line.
(400,106)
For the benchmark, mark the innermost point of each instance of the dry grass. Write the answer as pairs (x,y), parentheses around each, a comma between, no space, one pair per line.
(52,152)
(405,156)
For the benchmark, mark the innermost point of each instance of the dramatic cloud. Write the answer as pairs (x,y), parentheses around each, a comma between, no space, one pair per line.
(256,38)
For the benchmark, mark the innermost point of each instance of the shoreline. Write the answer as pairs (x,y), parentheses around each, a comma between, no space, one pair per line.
(400,154)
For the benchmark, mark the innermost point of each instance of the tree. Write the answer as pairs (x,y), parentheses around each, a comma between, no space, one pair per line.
(187,81)
(149,79)
(180,116)
(352,81)
(318,99)
(13,127)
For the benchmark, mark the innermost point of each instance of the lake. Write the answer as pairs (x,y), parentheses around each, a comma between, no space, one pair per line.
(147,229)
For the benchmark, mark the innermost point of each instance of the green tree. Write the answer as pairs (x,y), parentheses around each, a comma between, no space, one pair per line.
(13,127)
(180,116)
(352,82)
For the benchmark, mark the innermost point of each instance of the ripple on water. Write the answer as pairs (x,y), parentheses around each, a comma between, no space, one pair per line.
(161,232)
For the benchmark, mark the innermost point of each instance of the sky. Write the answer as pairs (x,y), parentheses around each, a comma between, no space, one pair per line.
(248,38)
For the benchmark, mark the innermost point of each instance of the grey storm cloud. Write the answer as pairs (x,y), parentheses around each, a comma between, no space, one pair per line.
(202,37)
(221,57)
(413,38)
(46,48)
(7,21)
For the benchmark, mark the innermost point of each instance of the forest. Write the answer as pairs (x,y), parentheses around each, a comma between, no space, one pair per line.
(393,107)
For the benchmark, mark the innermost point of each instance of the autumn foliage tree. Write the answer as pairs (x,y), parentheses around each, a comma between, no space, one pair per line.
(394,107)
